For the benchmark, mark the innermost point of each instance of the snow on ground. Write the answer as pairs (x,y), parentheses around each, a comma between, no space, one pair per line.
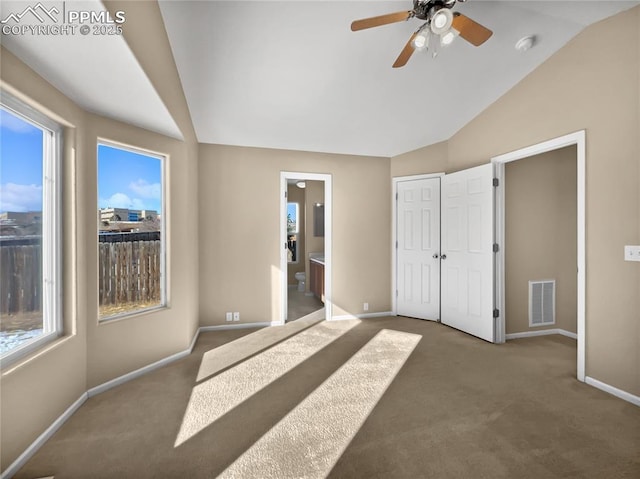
(12,339)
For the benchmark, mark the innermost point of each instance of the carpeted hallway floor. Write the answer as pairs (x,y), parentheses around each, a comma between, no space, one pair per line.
(384,398)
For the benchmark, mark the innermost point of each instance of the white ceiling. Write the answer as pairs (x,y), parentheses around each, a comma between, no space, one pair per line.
(292,75)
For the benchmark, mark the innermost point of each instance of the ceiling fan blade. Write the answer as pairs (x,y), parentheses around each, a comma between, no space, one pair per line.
(471,31)
(381,20)
(406,53)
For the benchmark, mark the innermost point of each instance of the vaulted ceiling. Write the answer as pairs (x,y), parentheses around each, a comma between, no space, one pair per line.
(292,75)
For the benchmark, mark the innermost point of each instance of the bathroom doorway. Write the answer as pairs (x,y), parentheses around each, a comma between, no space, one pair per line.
(305,258)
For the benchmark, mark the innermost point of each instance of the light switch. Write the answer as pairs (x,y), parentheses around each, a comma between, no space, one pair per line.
(632,253)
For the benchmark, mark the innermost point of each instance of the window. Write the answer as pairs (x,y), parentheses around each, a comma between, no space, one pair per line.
(131,244)
(30,229)
(292,231)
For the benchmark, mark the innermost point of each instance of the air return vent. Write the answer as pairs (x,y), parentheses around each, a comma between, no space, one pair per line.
(542,302)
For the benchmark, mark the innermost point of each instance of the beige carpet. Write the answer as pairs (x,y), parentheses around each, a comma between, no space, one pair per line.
(387,398)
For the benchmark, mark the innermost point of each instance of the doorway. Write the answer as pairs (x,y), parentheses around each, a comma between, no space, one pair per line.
(305,244)
(577,139)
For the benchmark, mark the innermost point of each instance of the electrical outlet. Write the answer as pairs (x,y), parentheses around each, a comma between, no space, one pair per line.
(229,316)
(365,306)
(236,316)
(632,253)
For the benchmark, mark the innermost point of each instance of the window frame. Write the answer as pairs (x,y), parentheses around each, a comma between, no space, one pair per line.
(52,217)
(163,158)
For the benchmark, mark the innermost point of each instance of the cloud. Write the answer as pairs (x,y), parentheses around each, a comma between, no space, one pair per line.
(15,124)
(14,197)
(146,190)
(117,200)
(122,200)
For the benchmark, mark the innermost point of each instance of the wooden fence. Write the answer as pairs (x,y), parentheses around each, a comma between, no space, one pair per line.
(129,272)
(20,283)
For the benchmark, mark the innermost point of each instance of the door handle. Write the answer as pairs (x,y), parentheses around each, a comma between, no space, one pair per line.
(436,256)
(444,256)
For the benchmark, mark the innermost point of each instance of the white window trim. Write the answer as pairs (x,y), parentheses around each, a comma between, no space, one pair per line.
(52,325)
(163,158)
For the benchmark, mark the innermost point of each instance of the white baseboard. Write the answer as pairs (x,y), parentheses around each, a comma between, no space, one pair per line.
(362,316)
(633,399)
(542,332)
(223,327)
(174,357)
(137,373)
(44,437)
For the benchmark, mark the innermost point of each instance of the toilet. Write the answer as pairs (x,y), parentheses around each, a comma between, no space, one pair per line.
(300,276)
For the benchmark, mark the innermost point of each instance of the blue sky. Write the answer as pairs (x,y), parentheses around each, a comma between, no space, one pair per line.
(128,180)
(20,164)
(125,179)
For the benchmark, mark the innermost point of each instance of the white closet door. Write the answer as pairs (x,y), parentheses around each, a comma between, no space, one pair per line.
(418,248)
(467,251)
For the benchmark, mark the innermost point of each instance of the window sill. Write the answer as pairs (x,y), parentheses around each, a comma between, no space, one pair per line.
(132,315)
(30,352)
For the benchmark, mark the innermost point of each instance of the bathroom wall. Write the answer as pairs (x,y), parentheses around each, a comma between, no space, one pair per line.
(314,193)
(297,195)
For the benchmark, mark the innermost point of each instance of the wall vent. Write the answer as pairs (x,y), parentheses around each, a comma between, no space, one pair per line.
(542,302)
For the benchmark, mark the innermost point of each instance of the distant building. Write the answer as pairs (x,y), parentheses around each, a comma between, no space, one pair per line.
(124,214)
(21,218)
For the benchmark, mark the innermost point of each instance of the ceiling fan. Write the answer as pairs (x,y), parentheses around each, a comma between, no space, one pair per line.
(440,28)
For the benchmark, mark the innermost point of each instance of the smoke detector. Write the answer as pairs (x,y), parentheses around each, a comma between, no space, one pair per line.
(526,43)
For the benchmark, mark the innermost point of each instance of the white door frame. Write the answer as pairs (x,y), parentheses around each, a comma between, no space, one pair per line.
(394,233)
(579,139)
(326,178)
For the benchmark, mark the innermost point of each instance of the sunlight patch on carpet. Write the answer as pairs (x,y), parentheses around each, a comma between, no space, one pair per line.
(216,396)
(311,438)
(222,357)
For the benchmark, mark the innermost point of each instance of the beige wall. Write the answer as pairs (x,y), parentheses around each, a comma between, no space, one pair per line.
(38,389)
(541,235)
(239,237)
(117,347)
(430,159)
(582,86)
(297,195)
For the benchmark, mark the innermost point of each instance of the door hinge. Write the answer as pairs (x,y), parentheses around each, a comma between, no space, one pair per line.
(396,196)
(496,248)
(496,182)
(496,313)
(396,293)
(285,194)
(396,244)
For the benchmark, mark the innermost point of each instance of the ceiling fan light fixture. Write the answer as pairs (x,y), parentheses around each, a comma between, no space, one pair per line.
(449,37)
(441,21)
(421,40)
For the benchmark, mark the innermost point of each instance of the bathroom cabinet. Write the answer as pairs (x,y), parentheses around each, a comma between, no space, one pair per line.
(316,280)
